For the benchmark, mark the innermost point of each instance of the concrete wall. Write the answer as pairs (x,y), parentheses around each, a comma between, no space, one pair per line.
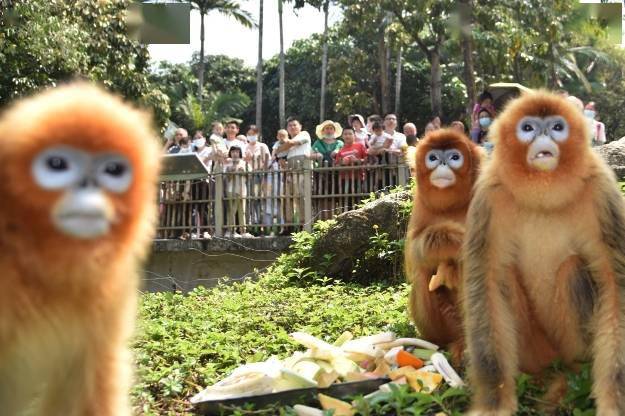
(184,265)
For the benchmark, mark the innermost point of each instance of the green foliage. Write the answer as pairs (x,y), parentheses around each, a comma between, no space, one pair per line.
(44,43)
(215,107)
(186,342)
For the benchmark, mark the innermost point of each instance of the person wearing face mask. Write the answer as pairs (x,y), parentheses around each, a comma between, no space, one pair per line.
(325,149)
(258,158)
(597,128)
(485,119)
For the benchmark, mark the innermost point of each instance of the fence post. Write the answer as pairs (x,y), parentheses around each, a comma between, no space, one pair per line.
(219,200)
(401,174)
(308,178)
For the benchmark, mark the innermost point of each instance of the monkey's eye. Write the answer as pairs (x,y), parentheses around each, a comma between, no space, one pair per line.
(114,172)
(527,129)
(559,128)
(433,159)
(454,158)
(59,167)
(115,169)
(57,163)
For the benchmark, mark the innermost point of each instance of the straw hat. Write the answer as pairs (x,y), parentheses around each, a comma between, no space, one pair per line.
(338,130)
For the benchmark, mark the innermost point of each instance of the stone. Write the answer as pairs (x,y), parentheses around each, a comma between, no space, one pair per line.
(348,238)
(614,154)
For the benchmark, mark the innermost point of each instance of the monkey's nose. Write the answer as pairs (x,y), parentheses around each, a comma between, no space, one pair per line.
(87,182)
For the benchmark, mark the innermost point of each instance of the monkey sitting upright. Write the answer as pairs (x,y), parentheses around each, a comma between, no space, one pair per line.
(544,258)
(78,171)
(447,164)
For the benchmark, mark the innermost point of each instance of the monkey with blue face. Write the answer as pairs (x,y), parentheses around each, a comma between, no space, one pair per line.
(544,258)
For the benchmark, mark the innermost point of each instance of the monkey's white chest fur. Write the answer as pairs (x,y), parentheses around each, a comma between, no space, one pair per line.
(43,365)
(542,246)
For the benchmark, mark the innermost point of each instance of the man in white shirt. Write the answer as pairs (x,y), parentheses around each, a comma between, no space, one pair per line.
(399,139)
(298,149)
(232,131)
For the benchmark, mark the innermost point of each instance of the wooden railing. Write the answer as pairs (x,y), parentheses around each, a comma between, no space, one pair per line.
(269,201)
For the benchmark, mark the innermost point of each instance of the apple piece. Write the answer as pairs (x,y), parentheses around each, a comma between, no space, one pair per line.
(327,378)
(308,369)
(297,380)
(301,410)
(424,381)
(340,407)
(350,377)
(344,365)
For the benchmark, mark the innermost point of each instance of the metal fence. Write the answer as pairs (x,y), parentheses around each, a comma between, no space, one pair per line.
(268,200)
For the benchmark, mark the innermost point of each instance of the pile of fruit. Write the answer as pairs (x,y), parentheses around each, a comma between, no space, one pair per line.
(409,361)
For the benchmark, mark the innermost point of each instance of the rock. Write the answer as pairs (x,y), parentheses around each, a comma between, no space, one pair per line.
(614,154)
(348,238)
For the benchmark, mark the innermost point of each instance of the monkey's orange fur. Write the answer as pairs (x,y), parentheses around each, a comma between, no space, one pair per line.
(434,238)
(544,265)
(67,306)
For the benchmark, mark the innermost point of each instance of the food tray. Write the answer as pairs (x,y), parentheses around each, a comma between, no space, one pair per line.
(307,396)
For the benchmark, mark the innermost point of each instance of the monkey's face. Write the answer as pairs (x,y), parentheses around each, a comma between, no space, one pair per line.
(541,135)
(86,185)
(81,167)
(447,164)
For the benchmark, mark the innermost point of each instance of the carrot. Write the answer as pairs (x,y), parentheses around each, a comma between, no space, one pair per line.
(404,358)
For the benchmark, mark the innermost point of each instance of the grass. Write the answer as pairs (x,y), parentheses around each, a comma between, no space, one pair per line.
(186,342)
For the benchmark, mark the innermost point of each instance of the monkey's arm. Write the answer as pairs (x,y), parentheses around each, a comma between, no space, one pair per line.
(490,328)
(439,242)
(609,336)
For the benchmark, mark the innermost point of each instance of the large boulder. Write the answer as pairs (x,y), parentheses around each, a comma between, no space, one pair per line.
(348,238)
(614,154)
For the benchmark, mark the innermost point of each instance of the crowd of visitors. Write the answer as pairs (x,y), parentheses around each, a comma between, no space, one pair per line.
(354,147)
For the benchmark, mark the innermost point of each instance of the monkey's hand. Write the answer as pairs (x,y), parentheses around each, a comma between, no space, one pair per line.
(441,242)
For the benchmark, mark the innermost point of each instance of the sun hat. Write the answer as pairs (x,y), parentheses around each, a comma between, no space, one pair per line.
(360,118)
(338,130)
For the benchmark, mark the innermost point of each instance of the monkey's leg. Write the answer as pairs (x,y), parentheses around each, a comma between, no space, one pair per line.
(609,345)
(110,378)
(491,340)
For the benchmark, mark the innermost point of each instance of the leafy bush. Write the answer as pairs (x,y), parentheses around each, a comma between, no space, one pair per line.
(187,342)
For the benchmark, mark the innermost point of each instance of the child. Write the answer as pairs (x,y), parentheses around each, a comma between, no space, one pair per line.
(236,191)
(357,122)
(378,143)
(185,146)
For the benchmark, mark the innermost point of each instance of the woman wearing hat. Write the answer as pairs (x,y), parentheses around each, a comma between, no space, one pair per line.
(326,148)
(357,122)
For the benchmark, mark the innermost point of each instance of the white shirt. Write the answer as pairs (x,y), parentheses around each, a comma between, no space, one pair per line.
(275,147)
(399,139)
(597,133)
(361,137)
(302,149)
(258,152)
(376,142)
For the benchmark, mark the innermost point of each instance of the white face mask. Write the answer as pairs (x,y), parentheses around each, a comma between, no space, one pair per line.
(199,143)
(252,139)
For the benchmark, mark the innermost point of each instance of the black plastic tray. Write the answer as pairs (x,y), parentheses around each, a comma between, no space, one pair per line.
(305,396)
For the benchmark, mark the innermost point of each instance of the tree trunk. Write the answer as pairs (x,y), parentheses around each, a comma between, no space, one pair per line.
(398,82)
(200,75)
(384,87)
(259,73)
(435,82)
(324,62)
(466,30)
(281,104)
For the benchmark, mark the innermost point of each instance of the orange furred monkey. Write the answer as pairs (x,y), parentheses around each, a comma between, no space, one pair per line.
(78,171)
(544,258)
(447,164)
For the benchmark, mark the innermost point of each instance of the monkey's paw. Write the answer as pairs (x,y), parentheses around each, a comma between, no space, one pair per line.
(443,241)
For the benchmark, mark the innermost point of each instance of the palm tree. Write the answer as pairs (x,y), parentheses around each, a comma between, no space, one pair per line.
(214,106)
(281,109)
(229,8)
(324,61)
(259,71)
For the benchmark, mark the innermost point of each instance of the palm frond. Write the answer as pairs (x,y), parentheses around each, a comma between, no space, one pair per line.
(226,105)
